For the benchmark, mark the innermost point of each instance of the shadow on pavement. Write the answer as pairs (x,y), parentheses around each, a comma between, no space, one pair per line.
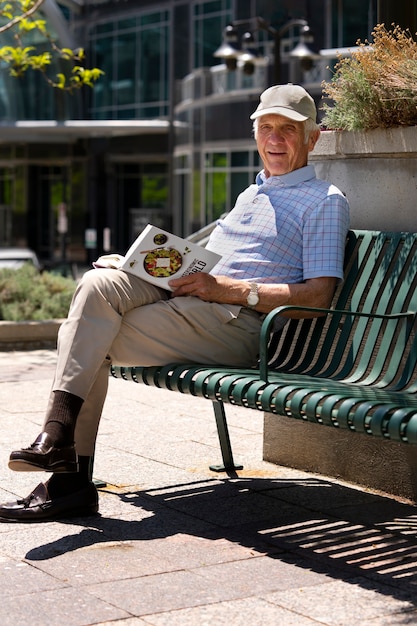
(329,528)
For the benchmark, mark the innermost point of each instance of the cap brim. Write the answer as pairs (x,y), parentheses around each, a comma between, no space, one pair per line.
(292,115)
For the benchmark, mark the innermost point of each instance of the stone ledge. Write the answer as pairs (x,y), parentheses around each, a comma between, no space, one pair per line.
(29,335)
(388,142)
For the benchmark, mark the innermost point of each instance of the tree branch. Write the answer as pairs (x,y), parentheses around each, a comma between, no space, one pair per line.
(19,18)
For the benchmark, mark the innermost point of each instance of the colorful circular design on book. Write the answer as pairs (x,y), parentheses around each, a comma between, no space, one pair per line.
(160,239)
(162,262)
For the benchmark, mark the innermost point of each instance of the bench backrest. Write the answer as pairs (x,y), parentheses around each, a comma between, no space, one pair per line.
(381,278)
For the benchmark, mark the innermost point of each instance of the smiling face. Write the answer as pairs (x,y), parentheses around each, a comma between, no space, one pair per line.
(281,144)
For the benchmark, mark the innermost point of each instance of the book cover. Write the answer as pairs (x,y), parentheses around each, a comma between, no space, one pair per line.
(157,256)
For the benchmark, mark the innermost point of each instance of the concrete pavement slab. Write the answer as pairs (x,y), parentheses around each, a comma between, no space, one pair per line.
(234,612)
(178,544)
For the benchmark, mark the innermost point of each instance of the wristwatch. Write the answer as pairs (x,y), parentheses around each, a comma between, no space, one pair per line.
(253,297)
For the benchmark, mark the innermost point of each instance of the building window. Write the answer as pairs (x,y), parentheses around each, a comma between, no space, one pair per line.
(209,20)
(133,53)
(227,174)
(352,20)
(203,192)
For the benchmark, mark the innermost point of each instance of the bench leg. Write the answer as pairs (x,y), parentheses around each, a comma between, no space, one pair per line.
(97,481)
(225,445)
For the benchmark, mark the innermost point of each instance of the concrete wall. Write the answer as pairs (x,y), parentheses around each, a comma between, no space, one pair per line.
(378,173)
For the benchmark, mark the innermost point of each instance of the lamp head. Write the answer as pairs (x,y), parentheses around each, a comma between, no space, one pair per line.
(302,52)
(229,51)
(249,56)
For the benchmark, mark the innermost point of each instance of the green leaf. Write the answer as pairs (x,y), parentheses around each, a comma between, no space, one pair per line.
(26,25)
(40,61)
(85,76)
(61,81)
(67,54)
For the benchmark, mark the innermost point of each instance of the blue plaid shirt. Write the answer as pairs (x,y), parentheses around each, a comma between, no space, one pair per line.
(283,229)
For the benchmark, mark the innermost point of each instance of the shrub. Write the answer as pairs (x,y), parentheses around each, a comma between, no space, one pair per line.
(25,294)
(377,86)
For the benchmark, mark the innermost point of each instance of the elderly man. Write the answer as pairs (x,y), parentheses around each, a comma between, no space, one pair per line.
(283,243)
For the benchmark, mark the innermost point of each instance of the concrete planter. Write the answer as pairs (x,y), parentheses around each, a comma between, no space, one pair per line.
(29,335)
(377,170)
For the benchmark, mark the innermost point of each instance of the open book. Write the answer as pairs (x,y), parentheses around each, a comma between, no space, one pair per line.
(157,256)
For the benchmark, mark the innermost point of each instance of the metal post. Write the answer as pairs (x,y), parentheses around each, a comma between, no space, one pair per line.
(277,58)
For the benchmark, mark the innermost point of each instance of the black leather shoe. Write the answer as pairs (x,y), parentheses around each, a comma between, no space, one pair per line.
(42,455)
(40,507)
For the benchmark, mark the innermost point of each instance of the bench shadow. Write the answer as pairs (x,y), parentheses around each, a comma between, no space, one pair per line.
(326,527)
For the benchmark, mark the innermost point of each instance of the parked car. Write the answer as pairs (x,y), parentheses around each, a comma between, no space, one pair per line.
(14,258)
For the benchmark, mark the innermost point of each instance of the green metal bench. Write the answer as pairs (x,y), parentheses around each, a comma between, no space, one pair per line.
(353,368)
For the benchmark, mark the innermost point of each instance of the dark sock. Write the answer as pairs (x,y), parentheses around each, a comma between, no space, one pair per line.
(63,484)
(60,425)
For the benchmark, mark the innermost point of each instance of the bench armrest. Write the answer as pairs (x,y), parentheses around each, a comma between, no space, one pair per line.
(267,326)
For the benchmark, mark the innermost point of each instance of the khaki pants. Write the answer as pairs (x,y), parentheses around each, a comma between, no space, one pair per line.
(118,318)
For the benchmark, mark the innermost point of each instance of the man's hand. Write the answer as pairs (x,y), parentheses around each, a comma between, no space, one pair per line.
(210,288)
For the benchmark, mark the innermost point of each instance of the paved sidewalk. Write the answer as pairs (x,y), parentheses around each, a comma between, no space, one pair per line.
(176,544)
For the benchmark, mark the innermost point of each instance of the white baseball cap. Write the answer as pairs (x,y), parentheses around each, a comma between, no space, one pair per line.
(291,101)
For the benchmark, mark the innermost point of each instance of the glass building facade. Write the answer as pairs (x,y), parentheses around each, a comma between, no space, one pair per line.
(164,136)
(133,53)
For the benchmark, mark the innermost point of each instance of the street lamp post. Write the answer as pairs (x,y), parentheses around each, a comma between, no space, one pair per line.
(230,51)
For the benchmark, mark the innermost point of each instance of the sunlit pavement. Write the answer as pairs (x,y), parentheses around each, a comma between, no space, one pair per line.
(178,544)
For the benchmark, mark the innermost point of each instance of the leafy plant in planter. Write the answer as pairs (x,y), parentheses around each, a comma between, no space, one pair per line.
(25,294)
(377,86)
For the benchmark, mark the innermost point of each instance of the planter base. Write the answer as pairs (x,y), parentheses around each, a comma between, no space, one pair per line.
(29,335)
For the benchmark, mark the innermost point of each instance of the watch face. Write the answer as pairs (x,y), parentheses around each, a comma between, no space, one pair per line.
(253,299)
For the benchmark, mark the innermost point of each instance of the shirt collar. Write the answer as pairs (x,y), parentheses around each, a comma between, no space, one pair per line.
(292,178)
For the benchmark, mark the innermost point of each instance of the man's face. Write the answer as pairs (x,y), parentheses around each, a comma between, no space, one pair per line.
(281,144)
